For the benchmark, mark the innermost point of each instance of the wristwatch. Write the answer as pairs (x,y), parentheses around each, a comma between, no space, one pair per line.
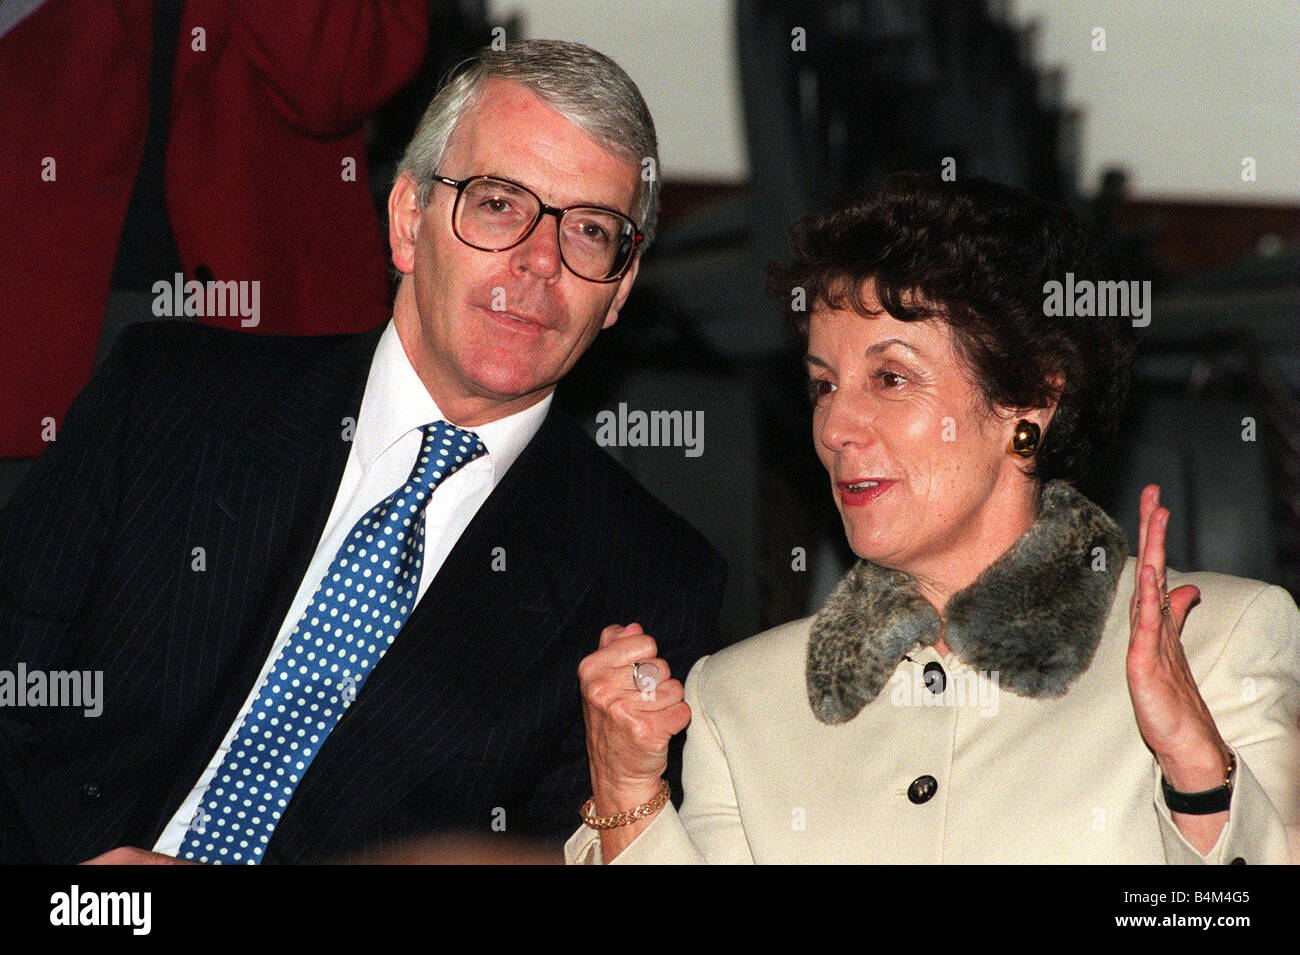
(1204,803)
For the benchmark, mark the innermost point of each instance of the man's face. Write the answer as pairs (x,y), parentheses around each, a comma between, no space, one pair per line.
(490,333)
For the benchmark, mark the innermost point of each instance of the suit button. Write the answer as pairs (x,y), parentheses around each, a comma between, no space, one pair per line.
(934,677)
(922,789)
(203,273)
(1238,861)
(91,791)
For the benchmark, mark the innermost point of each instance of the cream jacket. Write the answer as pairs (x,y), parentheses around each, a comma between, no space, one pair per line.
(1017,779)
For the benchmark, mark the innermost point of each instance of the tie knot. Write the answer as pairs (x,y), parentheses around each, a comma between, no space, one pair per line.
(445,450)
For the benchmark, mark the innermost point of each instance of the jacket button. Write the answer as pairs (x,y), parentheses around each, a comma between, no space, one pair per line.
(203,273)
(934,677)
(922,789)
(91,792)
(1238,861)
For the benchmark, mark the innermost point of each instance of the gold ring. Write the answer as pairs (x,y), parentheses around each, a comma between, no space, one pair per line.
(1164,604)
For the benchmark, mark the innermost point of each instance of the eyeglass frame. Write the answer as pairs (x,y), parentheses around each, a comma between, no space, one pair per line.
(542,210)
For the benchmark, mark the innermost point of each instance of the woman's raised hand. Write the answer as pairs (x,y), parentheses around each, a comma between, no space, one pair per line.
(628,727)
(1171,713)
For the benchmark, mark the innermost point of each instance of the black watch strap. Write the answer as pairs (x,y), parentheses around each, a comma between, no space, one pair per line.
(1218,799)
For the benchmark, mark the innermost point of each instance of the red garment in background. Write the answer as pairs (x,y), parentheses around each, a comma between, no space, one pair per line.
(263,118)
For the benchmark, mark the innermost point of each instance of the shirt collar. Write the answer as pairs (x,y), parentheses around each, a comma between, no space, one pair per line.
(396,402)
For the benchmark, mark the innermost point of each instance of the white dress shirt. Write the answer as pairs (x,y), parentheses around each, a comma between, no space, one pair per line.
(385,444)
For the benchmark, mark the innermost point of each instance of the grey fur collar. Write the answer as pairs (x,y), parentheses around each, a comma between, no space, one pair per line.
(1035,614)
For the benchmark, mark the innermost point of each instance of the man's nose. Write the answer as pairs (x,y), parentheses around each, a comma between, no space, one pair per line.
(540,252)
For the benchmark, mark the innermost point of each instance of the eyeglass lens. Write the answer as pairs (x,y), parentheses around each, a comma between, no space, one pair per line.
(494,215)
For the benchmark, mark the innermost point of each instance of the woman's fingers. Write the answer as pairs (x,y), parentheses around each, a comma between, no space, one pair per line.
(670,693)
(663,697)
(625,646)
(676,717)
(616,631)
(1170,711)
(634,651)
(1147,503)
(612,666)
(1153,530)
(1149,622)
(630,714)
(1146,626)
(1155,555)
(1181,600)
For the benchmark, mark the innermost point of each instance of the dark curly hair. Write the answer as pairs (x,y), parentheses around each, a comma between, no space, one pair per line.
(977,255)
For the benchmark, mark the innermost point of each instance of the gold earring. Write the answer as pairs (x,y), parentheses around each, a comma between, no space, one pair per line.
(1024,441)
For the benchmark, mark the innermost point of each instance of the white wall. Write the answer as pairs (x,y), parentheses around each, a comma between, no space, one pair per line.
(682,55)
(1184,90)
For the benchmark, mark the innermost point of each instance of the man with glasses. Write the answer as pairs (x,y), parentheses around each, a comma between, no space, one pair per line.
(338,588)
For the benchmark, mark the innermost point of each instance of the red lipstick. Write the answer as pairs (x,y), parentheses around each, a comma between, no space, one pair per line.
(862,491)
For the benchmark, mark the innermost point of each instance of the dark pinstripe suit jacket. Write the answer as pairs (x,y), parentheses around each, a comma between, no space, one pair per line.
(193,437)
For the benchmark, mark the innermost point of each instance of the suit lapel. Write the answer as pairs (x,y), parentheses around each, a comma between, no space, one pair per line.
(305,473)
(264,489)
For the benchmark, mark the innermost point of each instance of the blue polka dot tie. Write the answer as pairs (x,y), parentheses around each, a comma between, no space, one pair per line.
(360,605)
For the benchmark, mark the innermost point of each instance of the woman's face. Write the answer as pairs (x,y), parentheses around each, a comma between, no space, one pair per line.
(895,406)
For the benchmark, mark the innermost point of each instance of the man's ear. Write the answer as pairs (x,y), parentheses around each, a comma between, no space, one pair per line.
(404,221)
(624,289)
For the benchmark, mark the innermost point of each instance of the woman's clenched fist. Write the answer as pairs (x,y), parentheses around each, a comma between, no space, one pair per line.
(628,728)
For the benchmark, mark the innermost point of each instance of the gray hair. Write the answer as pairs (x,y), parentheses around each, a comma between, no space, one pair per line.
(585,87)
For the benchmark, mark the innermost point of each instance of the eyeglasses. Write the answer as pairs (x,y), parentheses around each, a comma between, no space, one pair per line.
(493,215)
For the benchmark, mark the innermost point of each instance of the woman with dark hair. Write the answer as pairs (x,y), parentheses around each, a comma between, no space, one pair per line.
(995,680)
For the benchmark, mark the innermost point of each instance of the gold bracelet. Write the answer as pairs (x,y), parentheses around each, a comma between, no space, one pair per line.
(624,818)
